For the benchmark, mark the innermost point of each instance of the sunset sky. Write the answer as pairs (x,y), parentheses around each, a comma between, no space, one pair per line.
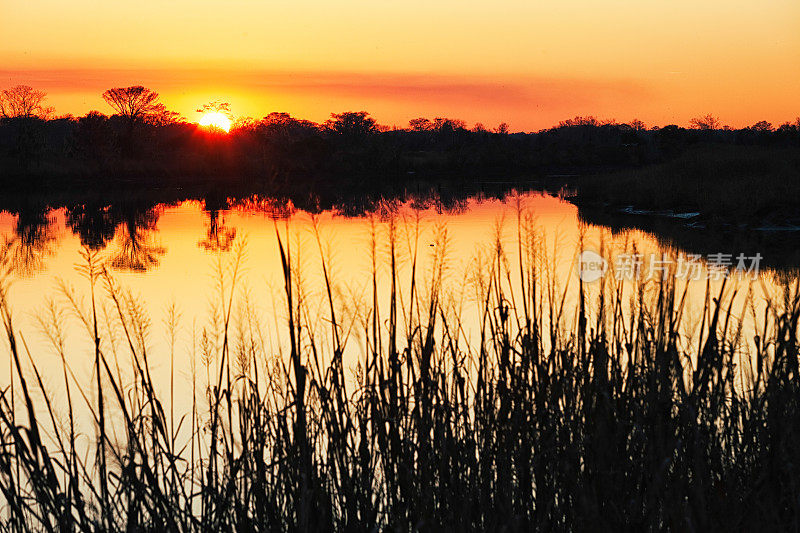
(527,63)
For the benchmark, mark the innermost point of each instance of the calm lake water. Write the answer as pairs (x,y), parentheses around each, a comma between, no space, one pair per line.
(177,263)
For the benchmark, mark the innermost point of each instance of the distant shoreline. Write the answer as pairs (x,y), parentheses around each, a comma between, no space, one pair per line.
(731,181)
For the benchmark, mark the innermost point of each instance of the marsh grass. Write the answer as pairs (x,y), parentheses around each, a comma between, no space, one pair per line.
(560,414)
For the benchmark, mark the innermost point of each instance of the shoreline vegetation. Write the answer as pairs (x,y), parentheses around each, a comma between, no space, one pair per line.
(602,416)
(739,179)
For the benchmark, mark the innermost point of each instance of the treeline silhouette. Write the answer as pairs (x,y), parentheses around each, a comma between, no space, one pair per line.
(143,143)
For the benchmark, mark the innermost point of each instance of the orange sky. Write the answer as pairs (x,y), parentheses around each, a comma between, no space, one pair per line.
(527,63)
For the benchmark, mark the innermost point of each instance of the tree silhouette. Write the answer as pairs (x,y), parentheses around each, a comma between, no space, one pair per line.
(284,122)
(23,106)
(707,123)
(443,124)
(216,106)
(579,121)
(23,101)
(420,124)
(503,128)
(135,103)
(638,125)
(352,124)
(762,126)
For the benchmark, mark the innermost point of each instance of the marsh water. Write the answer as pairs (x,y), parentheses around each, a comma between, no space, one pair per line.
(189,267)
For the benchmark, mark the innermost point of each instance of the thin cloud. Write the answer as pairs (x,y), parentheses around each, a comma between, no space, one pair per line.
(411,87)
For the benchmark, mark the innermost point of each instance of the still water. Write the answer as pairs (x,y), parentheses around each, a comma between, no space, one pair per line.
(185,269)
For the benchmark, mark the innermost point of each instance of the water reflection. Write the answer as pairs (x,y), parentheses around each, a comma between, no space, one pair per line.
(33,242)
(94,225)
(780,249)
(129,230)
(136,246)
(219,237)
(133,239)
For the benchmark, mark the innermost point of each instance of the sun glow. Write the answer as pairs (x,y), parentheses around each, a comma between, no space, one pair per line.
(216,120)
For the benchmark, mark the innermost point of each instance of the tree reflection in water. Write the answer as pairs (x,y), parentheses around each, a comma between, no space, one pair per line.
(135,247)
(33,242)
(94,225)
(219,237)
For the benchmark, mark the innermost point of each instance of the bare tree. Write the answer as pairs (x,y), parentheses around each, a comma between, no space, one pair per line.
(135,103)
(708,122)
(23,101)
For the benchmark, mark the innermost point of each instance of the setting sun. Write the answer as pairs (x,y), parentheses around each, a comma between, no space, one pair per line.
(216,119)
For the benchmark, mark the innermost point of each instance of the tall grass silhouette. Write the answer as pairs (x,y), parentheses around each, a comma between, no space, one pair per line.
(559,414)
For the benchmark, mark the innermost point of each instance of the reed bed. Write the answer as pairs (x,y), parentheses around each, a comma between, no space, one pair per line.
(560,414)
